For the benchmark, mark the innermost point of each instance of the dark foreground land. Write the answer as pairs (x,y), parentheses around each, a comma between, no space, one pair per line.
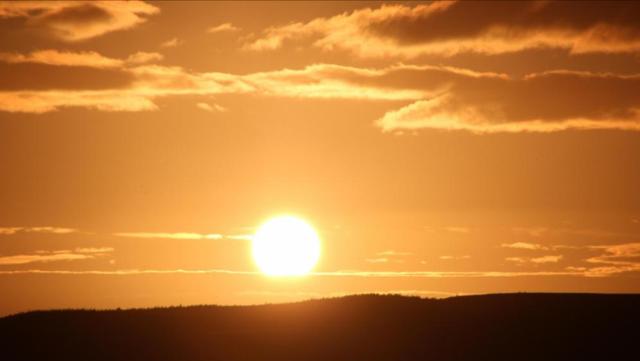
(493,327)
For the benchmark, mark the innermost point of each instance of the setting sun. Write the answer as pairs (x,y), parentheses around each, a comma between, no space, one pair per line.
(286,246)
(318,180)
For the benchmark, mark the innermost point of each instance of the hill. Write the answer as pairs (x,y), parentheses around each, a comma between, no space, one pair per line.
(368,327)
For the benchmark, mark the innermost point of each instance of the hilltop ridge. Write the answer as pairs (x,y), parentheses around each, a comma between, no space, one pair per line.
(522,326)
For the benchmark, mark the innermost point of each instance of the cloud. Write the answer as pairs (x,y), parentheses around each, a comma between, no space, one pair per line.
(585,232)
(143,57)
(94,250)
(152,81)
(389,256)
(171,43)
(524,245)
(33,258)
(516,259)
(615,259)
(393,253)
(42,229)
(330,81)
(90,59)
(128,272)
(48,229)
(320,81)
(539,102)
(182,235)
(211,108)
(536,260)
(612,260)
(48,101)
(179,235)
(442,98)
(226,27)
(454,257)
(62,58)
(76,21)
(54,256)
(441,274)
(546,259)
(10,230)
(346,273)
(577,269)
(452,27)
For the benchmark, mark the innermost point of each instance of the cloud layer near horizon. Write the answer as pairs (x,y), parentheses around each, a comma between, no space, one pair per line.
(54,256)
(184,235)
(568,260)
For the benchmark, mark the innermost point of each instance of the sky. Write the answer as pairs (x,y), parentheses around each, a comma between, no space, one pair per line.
(438,149)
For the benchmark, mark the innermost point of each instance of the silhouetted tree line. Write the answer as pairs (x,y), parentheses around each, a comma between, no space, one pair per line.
(511,327)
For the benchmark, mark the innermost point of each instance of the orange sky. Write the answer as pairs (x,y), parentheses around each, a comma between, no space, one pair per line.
(438,148)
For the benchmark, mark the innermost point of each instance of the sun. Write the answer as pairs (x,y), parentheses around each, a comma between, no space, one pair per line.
(286,246)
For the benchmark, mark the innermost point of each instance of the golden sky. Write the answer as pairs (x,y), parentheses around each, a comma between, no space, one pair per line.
(437,148)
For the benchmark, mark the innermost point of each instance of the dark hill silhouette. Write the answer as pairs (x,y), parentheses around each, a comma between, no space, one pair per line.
(493,327)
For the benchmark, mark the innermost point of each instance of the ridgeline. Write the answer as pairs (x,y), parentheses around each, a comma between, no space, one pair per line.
(511,327)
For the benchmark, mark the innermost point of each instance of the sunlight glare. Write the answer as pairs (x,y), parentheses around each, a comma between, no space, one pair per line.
(286,246)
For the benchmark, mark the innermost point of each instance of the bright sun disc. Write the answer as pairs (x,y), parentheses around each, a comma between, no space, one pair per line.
(286,246)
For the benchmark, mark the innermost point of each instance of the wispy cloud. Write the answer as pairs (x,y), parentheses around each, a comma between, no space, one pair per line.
(378,260)
(524,245)
(226,27)
(54,256)
(346,273)
(94,250)
(615,259)
(143,57)
(127,272)
(508,105)
(171,43)
(570,271)
(448,258)
(612,260)
(10,230)
(516,259)
(451,27)
(535,260)
(42,229)
(182,235)
(211,108)
(439,274)
(153,81)
(83,58)
(63,58)
(78,20)
(389,256)
(393,253)
(442,98)
(546,259)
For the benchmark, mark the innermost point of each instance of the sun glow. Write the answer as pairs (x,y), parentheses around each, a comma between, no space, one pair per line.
(286,246)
